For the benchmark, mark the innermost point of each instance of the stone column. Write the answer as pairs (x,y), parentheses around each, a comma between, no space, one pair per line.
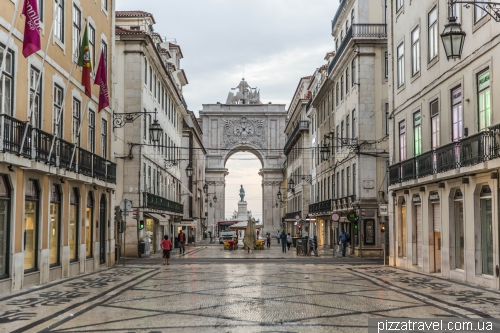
(271,216)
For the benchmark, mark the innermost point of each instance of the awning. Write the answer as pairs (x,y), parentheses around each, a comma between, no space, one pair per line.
(161,220)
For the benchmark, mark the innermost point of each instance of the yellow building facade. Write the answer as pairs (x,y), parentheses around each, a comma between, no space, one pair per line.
(57,178)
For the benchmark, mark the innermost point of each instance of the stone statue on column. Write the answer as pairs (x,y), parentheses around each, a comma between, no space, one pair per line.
(242,193)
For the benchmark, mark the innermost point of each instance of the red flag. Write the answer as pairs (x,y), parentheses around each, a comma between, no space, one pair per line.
(101,79)
(31,42)
(85,62)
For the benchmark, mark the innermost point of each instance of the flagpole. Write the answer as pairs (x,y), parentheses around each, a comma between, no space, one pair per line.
(9,37)
(78,134)
(64,98)
(56,4)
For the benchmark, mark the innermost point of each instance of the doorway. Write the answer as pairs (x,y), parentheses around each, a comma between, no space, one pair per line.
(102,229)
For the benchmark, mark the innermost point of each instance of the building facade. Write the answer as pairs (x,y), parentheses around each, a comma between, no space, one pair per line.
(444,139)
(148,87)
(298,161)
(57,177)
(348,111)
(194,220)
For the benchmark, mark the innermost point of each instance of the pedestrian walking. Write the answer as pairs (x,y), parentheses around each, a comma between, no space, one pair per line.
(166,246)
(278,235)
(181,239)
(258,232)
(283,241)
(288,241)
(268,240)
(344,238)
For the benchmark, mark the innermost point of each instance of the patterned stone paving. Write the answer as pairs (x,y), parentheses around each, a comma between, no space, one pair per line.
(293,296)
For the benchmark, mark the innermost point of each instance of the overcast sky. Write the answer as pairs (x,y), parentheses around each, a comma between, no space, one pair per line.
(276,42)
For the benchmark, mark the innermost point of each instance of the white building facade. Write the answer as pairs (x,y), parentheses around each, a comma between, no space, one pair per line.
(444,144)
(148,79)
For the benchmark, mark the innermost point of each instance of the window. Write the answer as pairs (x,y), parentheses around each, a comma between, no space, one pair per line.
(479,11)
(353,72)
(417,134)
(401,64)
(456,114)
(352,16)
(91,132)
(149,126)
(154,90)
(104,138)
(4,226)
(105,52)
(54,225)
(346,25)
(336,44)
(415,51)
(338,185)
(342,87)
(354,179)
(485,212)
(7,83)
(105,5)
(347,80)
(57,127)
(40,9)
(59,21)
(92,43)
(402,141)
(144,180)
(333,187)
(75,125)
(149,179)
(145,71)
(336,145)
(386,118)
(35,97)
(89,225)
(342,132)
(31,225)
(347,127)
(435,140)
(337,94)
(343,183)
(353,124)
(433,34)
(402,230)
(484,99)
(341,36)
(459,230)
(386,66)
(77,29)
(348,182)
(399,4)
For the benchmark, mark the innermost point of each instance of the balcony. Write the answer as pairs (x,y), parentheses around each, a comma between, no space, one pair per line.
(291,216)
(368,31)
(469,151)
(302,125)
(39,145)
(339,11)
(159,203)
(320,207)
(308,106)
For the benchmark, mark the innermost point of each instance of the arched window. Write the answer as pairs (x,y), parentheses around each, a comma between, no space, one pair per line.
(89,227)
(31,225)
(73,224)
(4,225)
(55,225)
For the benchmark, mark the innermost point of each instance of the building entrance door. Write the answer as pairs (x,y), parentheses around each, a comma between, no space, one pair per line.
(102,230)
(436,211)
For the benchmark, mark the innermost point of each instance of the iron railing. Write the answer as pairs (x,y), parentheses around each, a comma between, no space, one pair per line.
(154,201)
(322,206)
(292,215)
(338,12)
(301,125)
(38,145)
(468,151)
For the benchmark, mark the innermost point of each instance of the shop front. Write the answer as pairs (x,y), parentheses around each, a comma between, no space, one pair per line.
(156,226)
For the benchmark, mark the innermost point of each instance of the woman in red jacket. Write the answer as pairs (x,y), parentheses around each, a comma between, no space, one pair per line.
(166,246)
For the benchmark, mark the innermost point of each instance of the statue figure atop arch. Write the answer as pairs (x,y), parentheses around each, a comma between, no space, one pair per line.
(242,194)
(244,95)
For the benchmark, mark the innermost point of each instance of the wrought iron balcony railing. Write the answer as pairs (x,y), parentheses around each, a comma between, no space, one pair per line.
(302,125)
(154,201)
(292,215)
(319,207)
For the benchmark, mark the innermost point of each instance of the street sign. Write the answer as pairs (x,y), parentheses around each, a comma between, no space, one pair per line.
(351,216)
(383,209)
(125,205)
(335,217)
(297,217)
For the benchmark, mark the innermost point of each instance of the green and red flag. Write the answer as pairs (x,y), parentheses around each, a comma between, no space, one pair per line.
(85,62)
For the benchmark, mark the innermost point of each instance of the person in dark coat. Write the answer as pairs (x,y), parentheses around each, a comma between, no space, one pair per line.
(283,241)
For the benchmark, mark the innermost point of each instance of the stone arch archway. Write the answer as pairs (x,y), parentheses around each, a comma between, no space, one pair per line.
(255,128)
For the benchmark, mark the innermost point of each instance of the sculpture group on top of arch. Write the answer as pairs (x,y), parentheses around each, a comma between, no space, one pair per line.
(245,94)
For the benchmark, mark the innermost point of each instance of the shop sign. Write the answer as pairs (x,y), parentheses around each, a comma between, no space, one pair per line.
(416,199)
(383,209)
(351,216)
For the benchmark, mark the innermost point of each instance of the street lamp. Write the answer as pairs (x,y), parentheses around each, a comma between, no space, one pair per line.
(155,130)
(325,152)
(205,188)
(279,195)
(189,170)
(291,183)
(215,198)
(453,38)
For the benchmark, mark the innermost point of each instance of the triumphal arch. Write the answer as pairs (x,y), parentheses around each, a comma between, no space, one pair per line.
(244,123)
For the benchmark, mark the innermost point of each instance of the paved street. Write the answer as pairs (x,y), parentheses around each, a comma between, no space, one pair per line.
(224,295)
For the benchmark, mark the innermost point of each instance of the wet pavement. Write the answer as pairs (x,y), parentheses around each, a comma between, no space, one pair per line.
(227,293)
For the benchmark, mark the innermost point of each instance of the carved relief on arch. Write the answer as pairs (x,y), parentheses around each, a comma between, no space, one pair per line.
(244,131)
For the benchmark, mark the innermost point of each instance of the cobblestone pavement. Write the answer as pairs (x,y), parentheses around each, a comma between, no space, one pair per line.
(221,296)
